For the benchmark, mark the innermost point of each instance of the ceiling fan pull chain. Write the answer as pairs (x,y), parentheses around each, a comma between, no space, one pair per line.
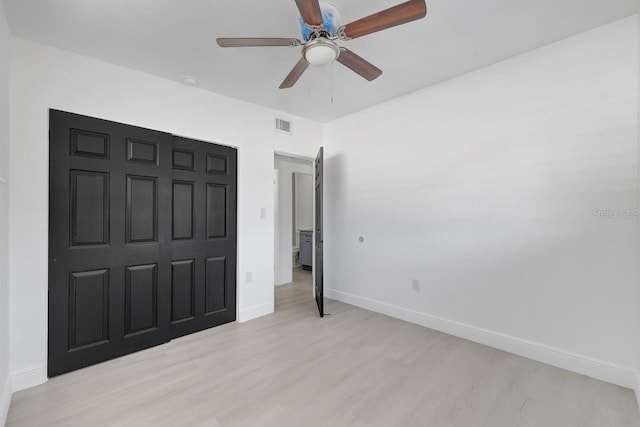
(332,82)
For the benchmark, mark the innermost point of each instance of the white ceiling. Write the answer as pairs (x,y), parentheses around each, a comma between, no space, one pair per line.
(172,38)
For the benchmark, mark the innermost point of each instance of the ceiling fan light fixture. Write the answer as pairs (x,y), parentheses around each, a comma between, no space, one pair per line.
(320,51)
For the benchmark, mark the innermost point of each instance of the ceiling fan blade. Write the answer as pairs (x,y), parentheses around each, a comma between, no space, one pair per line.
(310,12)
(295,74)
(397,15)
(358,64)
(256,42)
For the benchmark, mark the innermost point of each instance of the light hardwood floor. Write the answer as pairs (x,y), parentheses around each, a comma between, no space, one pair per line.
(353,368)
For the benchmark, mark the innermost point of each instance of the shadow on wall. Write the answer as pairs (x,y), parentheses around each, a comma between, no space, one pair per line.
(334,178)
(335,213)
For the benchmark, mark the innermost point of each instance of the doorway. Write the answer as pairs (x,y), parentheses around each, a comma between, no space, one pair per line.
(293,223)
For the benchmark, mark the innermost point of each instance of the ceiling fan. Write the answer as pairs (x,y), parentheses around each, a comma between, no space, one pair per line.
(320,34)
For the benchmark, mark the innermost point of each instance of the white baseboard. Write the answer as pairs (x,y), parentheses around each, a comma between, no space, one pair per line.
(28,378)
(637,389)
(5,401)
(255,312)
(604,371)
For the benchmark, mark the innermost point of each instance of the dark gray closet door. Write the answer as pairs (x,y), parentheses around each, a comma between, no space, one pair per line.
(109,240)
(203,234)
(318,266)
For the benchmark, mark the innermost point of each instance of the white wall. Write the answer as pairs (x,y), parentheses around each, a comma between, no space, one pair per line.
(44,78)
(5,387)
(483,188)
(284,261)
(303,202)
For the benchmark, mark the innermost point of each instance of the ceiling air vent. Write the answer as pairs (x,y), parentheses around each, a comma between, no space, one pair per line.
(284,126)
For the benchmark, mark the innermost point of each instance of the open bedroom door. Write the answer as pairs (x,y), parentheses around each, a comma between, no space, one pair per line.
(318,267)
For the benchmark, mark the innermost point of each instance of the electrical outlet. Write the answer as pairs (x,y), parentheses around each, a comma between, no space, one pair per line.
(416,285)
(248,277)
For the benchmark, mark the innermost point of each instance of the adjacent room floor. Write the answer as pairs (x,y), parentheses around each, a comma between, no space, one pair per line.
(352,368)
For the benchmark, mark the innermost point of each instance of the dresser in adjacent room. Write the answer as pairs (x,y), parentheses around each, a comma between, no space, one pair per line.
(306,248)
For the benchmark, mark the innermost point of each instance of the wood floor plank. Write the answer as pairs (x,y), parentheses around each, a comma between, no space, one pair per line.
(353,368)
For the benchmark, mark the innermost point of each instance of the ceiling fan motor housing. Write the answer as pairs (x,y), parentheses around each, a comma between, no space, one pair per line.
(330,24)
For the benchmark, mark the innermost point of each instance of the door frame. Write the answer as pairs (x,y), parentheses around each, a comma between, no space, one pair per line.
(275,235)
(276,226)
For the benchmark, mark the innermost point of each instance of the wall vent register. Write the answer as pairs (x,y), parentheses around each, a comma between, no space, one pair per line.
(284,126)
